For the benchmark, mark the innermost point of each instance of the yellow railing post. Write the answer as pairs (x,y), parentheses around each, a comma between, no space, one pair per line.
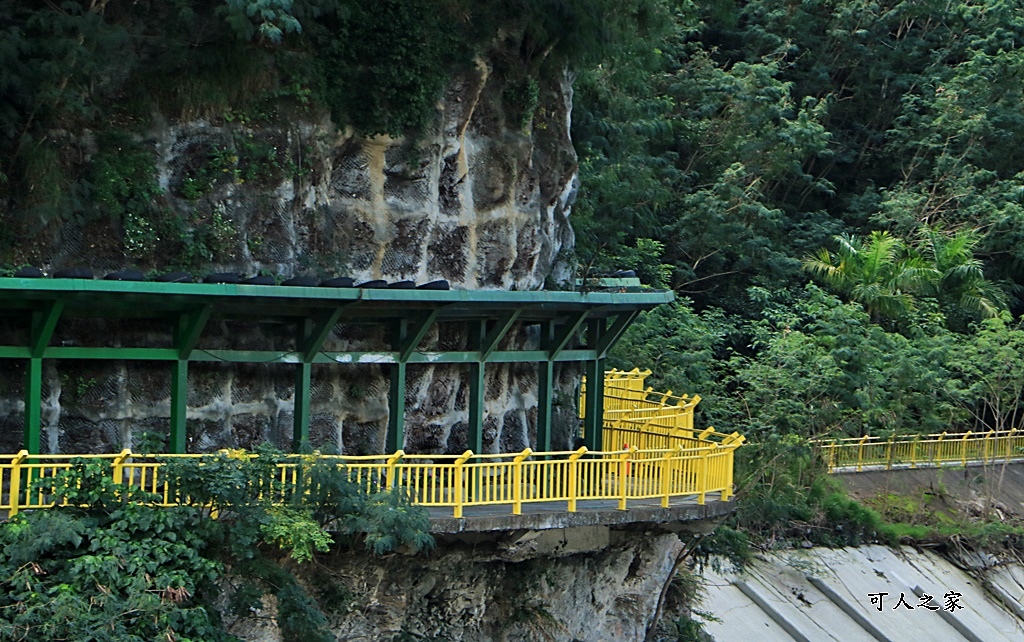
(913,452)
(727,488)
(1009,443)
(832,456)
(860,453)
(517,481)
(460,482)
(986,446)
(704,473)
(573,480)
(392,464)
(117,468)
(666,468)
(15,490)
(888,456)
(938,449)
(963,448)
(623,474)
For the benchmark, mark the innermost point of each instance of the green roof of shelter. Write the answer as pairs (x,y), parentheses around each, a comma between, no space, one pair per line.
(575,326)
(124,299)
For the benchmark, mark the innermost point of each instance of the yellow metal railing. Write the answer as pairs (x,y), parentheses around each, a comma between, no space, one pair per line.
(923,450)
(635,415)
(448,481)
(661,457)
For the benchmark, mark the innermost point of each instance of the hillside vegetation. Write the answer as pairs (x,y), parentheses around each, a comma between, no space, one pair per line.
(835,190)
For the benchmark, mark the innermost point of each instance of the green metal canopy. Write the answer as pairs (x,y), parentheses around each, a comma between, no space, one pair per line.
(599,317)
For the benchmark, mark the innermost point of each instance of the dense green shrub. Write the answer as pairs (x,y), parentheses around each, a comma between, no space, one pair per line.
(109,566)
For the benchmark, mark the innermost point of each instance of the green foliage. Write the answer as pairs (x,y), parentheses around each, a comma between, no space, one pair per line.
(885,275)
(295,531)
(269,19)
(108,566)
(124,187)
(403,50)
(522,97)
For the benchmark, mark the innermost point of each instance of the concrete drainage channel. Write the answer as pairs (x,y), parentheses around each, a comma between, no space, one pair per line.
(869,594)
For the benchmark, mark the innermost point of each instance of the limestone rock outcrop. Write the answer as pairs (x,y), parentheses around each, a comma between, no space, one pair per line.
(476,199)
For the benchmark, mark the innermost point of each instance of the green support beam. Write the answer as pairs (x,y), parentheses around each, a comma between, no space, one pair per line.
(545,389)
(414,333)
(188,330)
(401,338)
(396,408)
(314,332)
(566,334)
(179,407)
(300,428)
(497,333)
(477,374)
(43,323)
(41,328)
(593,422)
(311,333)
(33,405)
(612,333)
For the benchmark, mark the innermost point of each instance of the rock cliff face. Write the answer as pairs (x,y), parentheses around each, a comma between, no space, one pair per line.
(481,199)
(482,594)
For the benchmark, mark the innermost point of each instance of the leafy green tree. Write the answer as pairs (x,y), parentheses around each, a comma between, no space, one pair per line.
(960,281)
(989,369)
(878,273)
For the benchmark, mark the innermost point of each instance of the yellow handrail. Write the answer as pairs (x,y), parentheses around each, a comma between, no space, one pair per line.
(961,449)
(511,479)
(661,457)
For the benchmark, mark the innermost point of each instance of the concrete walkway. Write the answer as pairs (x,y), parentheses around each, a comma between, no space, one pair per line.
(548,515)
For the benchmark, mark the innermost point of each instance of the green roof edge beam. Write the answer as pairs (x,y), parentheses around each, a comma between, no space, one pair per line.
(179,407)
(566,333)
(43,323)
(614,332)
(314,332)
(414,333)
(276,356)
(545,381)
(189,328)
(593,422)
(497,333)
(33,405)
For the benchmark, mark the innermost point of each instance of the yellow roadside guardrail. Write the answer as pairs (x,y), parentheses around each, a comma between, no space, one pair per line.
(911,451)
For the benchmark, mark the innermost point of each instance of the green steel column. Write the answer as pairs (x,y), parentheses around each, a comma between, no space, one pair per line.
(33,405)
(545,383)
(476,389)
(310,335)
(396,408)
(594,371)
(396,392)
(187,330)
(300,428)
(179,406)
(41,327)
